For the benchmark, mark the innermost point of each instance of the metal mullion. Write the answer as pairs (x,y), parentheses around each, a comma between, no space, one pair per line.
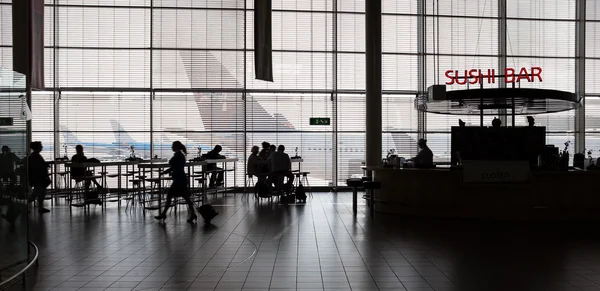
(151,83)
(502,56)
(580,43)
(334,96)
(422,64)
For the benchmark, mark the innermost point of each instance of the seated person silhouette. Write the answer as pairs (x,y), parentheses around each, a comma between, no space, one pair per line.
(80,174)
(281,167)
(7,166)
(424,159)
(216,178)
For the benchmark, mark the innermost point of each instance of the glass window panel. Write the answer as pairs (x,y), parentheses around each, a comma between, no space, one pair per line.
(281,112)
(540,38)
(5,24)
(351,112)
(209,112)
(205,29)
(104,68)
(592,9)
(351,32)
(350,156)
(351,70)
(302,31)
(394,6)
(201,3)
(399,113)
(6,59)
(104,27)
(469,36)
(557,74)
(592,39)
(106,2)
(592,69)
(488,8)
(105,112)
(399,34)
(198,69)
(592,115)
(397,72)
(543,9)
(42,110)
(302,71)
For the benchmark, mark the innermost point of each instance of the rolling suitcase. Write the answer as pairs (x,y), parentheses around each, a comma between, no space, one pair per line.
(207,212)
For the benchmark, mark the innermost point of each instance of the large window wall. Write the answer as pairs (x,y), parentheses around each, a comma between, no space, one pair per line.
(147,72)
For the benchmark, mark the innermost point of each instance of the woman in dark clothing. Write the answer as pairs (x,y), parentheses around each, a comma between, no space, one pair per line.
(179,187)
(39,178)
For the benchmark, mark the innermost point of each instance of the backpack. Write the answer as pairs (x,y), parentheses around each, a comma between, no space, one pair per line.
(300,193)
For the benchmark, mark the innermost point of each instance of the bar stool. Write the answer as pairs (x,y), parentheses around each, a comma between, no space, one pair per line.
(303,180)
(370,186)
(355,183)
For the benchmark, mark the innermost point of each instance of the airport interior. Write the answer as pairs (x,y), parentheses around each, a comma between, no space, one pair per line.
(299,145)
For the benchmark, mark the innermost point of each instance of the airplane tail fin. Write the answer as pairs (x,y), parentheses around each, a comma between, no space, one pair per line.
(120,133)
(69,137)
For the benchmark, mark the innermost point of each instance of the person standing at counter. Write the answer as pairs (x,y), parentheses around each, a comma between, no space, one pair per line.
(424,158)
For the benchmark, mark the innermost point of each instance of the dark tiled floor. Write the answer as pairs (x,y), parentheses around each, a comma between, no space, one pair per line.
(319,246)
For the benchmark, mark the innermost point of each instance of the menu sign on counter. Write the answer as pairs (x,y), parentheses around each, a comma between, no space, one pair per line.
(495,171)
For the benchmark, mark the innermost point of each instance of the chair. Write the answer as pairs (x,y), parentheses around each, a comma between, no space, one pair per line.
(355,183)
(250,183)
(302,178)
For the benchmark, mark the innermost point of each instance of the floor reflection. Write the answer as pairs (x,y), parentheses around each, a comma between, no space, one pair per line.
(318,246)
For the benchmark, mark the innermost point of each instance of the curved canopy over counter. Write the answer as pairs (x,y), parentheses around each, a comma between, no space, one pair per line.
(526,101)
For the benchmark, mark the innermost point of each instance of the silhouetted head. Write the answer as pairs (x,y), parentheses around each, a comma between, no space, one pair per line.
(422,143)
(79,149)
(281,148)
(217,149)
(272,148)
(265,145)
(177,146)
(5,149)
(254,150)
(36,146)
(496,122)
(531,120)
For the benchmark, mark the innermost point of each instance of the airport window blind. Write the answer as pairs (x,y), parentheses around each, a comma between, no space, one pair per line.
(488,8)
(592,125)
(105,122)
(42,107)
(545,36)
(198,46)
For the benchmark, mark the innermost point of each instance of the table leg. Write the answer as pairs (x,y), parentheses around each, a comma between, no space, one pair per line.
(354,199)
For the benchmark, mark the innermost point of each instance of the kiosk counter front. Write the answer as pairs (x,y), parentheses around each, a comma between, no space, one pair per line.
(541,195)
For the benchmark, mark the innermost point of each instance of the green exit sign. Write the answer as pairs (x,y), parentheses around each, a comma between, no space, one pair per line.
(6,121)
(320,121)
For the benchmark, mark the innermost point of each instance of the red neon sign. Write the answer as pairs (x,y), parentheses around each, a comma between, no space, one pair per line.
(475,76)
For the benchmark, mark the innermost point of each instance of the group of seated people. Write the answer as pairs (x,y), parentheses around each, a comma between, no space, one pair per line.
(270,165)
